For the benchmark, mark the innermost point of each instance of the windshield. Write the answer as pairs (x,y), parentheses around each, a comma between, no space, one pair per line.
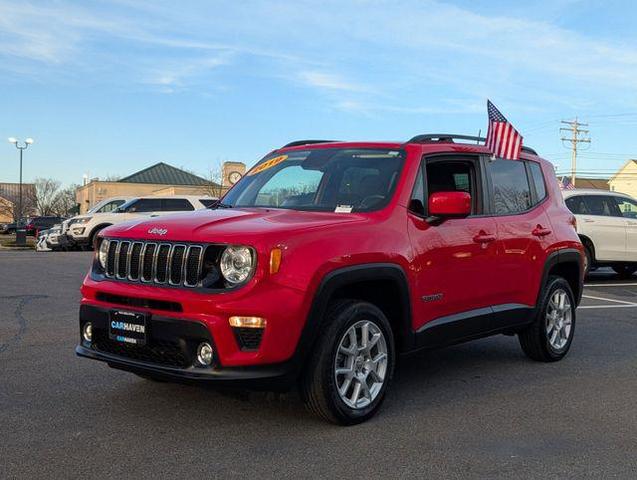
(341,180)
(106,207)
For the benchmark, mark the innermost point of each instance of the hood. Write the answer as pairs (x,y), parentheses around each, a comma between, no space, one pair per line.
(232,224)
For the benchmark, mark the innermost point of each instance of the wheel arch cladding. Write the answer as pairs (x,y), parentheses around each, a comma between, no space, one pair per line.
(567,264)
(382,284)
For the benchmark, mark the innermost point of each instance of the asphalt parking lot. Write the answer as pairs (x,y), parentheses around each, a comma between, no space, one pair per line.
(479,410)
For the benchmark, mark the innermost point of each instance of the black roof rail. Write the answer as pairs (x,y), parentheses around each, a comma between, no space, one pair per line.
(450,137)
(306,142)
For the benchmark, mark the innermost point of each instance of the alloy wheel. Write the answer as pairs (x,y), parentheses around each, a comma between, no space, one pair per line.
(559,319)
(360,366)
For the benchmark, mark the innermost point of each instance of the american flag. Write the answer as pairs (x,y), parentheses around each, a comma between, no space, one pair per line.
(503,140)
(565,184)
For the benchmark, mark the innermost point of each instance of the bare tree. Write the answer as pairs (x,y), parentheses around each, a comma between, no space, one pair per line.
(46,191)
(64,202)
(215,181)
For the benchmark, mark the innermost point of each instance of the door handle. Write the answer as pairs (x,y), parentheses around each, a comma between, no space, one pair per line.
(484,237)
(540,231)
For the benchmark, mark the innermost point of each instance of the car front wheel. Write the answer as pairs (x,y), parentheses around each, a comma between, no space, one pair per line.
(352,364)
(625,270)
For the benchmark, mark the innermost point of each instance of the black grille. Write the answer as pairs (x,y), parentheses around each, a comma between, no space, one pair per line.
(110,263)
(139,302)
(134,261)
(193,265)
(248,338)
(122,260)
(147,268)
(161,267)
(176,264)
(160,352)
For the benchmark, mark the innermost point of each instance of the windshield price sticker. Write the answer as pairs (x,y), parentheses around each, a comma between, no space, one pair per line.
(267,164)
(343,209)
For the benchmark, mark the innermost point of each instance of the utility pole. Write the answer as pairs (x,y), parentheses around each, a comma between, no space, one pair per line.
(576,131)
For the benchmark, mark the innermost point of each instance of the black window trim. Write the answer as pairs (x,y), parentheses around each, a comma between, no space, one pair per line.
(478,183)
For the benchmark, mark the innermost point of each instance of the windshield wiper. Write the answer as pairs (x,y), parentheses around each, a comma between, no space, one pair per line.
(219,205)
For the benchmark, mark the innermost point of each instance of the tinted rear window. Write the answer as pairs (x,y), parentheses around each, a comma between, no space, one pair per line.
(511,190)
(176,205)
(538,180)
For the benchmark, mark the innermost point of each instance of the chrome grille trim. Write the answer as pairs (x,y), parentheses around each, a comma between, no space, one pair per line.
(175,258)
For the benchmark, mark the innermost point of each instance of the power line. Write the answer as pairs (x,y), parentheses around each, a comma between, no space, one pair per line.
(573,127)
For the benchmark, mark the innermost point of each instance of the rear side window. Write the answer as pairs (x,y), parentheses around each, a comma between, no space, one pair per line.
(577,205)
(538,181)
(510,185)
(146,205)
(627,207)
(176,205)
(601,205)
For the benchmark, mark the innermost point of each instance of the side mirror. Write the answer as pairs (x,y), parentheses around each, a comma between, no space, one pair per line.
(449,204)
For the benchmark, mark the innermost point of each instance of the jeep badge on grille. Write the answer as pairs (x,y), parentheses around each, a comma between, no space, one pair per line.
(158,231)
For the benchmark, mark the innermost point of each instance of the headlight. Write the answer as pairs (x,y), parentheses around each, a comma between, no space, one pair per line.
(102,253)
(236,264)
(82,220)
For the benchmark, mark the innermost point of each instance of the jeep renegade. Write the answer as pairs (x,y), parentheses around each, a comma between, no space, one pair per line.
(329,259)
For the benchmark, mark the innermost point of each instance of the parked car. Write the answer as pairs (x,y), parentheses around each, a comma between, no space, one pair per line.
(84,227)
(607,226)
(35,224)
(327,260)
(7,228)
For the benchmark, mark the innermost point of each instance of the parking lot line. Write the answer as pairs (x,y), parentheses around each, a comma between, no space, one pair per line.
(609,300)
(634,305)
(594,285)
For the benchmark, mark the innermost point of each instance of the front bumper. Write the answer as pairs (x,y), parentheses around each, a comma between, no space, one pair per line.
(170,353)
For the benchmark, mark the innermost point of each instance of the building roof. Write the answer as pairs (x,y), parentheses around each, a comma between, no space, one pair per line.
(164,174)
(597,183)
(11,191)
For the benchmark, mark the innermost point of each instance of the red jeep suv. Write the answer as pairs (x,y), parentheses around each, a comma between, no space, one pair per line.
(329,259)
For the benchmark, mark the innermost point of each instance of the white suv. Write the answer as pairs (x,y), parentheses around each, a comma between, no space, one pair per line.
(84,228)
(607,226)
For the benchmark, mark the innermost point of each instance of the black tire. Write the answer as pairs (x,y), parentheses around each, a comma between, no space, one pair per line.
(588,265)
(318,384)
(92,236)
(534,340)
(625,270)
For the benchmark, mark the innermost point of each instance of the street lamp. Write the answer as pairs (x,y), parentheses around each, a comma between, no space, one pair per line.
(20,239)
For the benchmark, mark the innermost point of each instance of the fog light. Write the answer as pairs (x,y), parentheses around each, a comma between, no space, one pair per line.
(87,332)
(204,354)
(247,322)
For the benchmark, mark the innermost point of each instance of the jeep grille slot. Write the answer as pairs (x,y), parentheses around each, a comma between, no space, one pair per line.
(148,262)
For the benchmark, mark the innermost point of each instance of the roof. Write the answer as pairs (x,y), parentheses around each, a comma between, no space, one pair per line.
(163,174)
(592,191)
(596,183)
(11,191)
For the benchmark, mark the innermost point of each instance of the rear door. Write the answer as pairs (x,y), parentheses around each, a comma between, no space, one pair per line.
(628,209)
(602,222)
(517,197)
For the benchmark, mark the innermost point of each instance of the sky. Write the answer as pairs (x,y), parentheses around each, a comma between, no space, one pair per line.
(109,88)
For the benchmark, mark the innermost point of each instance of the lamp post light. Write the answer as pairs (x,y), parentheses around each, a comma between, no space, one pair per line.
(20,233)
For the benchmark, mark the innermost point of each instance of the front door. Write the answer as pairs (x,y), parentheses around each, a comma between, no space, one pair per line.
(452,259)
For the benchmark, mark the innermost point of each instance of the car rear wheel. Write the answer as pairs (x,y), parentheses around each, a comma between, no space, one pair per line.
(588,260)
(352,364)
(549,337)
(625,270)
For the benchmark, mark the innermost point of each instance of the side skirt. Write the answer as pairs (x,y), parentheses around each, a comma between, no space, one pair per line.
(473,324)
